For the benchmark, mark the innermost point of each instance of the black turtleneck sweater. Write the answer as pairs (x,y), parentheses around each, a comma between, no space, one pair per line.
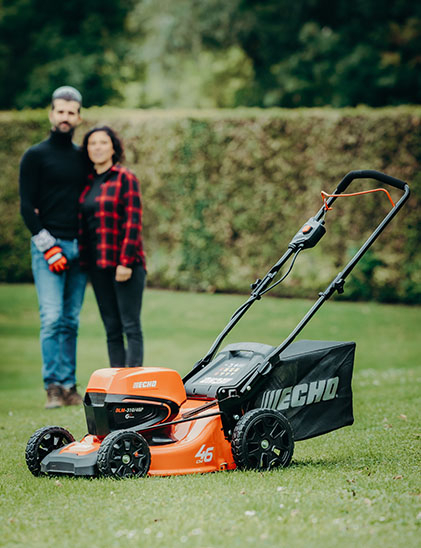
(52,175)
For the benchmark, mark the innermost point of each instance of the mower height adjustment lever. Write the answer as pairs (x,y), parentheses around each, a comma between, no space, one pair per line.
(308,235)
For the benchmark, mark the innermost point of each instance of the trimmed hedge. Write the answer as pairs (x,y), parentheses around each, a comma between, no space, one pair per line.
(224,192)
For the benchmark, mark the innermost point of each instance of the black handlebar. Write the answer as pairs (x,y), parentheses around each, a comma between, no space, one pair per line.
(369,174)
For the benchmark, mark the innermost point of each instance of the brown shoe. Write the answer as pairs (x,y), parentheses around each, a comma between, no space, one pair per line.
(54,396)
(71,396)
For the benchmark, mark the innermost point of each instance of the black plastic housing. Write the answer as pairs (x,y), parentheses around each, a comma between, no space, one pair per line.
(108,412)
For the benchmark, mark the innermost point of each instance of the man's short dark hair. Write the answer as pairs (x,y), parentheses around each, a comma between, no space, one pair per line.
(68,93)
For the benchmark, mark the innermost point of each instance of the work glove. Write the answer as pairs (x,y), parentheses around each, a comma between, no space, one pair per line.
(53,254)
(56,259)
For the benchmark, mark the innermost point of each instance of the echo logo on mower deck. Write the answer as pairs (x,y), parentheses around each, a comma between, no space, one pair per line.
(144,384)
(301,394)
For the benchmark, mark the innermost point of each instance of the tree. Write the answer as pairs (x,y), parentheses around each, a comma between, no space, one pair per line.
(302,53)
(45,44)
(314,52)
(181,55)
(204,53)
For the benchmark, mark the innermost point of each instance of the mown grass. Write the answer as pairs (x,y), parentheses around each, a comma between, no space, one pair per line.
(357,486)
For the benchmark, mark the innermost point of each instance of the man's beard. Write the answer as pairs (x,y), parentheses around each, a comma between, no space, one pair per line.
(68,129)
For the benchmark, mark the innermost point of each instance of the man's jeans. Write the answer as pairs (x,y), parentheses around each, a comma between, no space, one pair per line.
(60,298)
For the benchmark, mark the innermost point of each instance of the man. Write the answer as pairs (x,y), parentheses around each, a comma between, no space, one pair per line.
(51,177)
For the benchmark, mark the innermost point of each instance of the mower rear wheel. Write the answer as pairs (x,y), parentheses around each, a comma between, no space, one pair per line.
(262,439)
(42,443)
(124,454)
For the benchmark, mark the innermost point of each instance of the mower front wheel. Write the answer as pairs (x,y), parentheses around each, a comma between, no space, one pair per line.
(262,440)
(42,442)
(124,454)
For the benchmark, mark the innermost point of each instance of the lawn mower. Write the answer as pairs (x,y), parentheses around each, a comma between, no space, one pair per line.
(242,407)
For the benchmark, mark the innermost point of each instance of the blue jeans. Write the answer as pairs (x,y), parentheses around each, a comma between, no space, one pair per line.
(60,298)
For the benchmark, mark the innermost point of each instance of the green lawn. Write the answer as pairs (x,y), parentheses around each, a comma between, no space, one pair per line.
(360,485)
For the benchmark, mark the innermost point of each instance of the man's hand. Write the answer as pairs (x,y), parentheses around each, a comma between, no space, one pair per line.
(56,259)
(122,273)
(53,254)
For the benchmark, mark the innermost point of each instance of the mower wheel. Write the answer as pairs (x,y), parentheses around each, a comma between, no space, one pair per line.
(124,454)
(262,439)
(42,443)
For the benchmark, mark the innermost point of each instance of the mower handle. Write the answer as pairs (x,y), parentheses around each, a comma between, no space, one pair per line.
(369,174)
(363,174)
(260,287)
(338,283)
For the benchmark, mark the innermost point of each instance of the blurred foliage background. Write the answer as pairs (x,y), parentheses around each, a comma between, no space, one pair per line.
(224,191)
(235,114)
(211,53)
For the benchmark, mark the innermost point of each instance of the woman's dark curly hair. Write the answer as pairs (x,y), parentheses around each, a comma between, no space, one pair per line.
(118,147)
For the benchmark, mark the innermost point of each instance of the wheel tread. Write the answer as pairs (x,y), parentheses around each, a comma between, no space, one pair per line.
(239,433)
(31,452)
(103,453)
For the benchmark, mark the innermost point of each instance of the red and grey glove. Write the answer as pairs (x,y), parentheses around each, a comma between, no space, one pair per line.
(56,259)
(53,254)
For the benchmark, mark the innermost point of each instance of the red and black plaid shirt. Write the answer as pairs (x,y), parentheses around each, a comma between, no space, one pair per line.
(119,215)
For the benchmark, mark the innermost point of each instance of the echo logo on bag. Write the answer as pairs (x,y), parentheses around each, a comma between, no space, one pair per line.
(301,394)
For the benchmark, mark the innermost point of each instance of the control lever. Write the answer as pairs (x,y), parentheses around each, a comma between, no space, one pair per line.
(308,235)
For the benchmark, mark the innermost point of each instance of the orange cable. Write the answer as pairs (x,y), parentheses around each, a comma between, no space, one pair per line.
(326,195)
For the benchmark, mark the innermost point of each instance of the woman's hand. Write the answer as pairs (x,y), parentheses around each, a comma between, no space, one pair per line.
(122,273)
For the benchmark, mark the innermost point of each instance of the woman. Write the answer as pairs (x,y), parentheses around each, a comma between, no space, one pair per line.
(110,240)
